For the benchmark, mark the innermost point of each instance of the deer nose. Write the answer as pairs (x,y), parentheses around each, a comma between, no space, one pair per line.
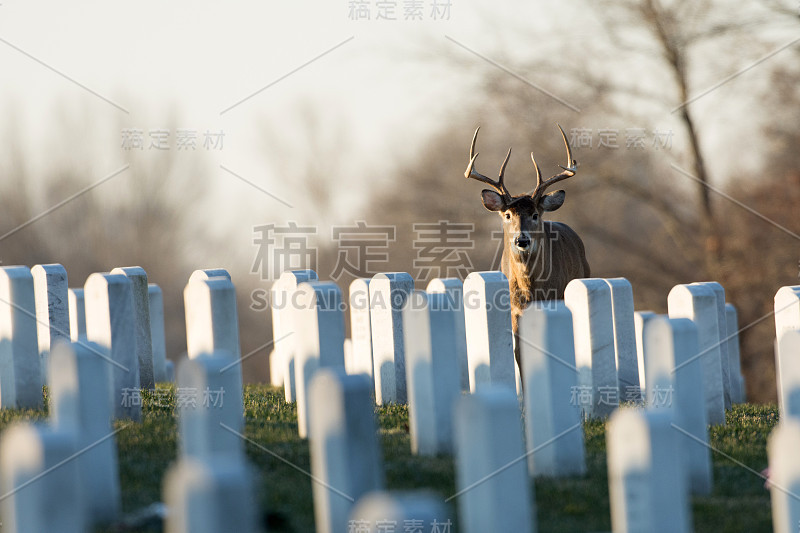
(522,241)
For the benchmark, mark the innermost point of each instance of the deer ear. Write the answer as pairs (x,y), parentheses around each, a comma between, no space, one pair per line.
(492,201)
(552,201)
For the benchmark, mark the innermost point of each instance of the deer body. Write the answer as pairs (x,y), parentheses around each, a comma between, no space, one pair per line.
(539,257)
(538,279)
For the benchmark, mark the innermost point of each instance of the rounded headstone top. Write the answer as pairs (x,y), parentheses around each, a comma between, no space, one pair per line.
(209,273)
(130,271)
(444,285)
(393,276)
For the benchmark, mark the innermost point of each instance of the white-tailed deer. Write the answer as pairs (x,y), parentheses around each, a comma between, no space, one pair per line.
(539,256)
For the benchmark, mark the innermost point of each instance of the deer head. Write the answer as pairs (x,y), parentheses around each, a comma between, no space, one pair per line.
(522,215)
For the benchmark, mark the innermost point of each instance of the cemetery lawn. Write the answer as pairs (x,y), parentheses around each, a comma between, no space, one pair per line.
(738,502)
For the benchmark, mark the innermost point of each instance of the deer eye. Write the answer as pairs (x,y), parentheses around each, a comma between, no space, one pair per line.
(535,216)
(508,216)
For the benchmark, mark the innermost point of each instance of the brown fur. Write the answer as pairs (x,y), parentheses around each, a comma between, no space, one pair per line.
(544,272)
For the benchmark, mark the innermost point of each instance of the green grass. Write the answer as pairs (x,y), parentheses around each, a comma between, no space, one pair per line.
(738,502)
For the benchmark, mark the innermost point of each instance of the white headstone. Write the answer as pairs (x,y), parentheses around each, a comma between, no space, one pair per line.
(722,324)
(788,352)
(210,406)
(699,303)
(79,391)
(647,490)
(20,368)
(208,273)
(39,481)
(787,308)
(141,313)
(52,311)
(345,455)
(77,315)
(157,334)
(423,512)
(169,366)
(212,322)
(432,376)
(490,340)
(360,328)
(275,370)
(209,496)
(787,317)
(348,356)
(640,320)
(675,385)
(284,334)
(738,394)
(110,323)
(593,327)
(387,294)
(784,475)
(454,289)
(493,489)
(320,317)
(625,339)
(552,412)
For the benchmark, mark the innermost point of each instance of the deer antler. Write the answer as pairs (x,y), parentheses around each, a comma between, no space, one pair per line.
(569,170)
(498,185)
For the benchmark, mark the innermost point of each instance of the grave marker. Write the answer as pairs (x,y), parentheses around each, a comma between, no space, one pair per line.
(493,490)
(738,394)
(784,475)
(454,289)
(345,455)
(360,328)
(141,313)
(699,304)
(589,300)
(209,496)
(640,320)
(788,352)
(79,391)
(432,375)
(387,294)
(787,317)
(675,377)
(157,334)
(77,315)
(645,476)
(210,406)
(722,324)
(320,317)
(552,415)
(20,368)
(283,331)
(212,321)
(208,273)
(490,340)
(52,312)
(39,482)
(110,323)
(421,511)
(625,339)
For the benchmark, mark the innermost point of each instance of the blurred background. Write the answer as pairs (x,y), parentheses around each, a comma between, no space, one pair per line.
(334,135)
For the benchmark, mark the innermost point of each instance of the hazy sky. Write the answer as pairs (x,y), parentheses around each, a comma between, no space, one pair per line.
(251,70)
